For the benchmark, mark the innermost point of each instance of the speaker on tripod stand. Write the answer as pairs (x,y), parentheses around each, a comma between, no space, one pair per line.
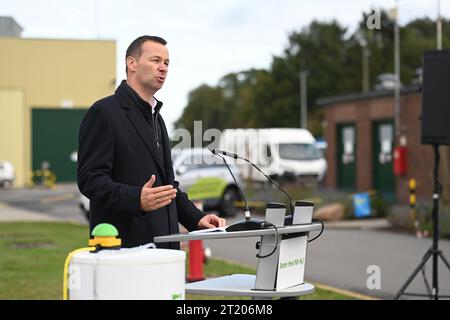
(435,132)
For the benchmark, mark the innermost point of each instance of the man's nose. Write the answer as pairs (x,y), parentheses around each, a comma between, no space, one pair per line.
(163,68)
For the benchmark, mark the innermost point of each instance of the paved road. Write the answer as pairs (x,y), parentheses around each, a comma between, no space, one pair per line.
(59,204)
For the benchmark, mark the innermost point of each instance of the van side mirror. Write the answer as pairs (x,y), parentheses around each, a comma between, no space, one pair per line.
(269,153)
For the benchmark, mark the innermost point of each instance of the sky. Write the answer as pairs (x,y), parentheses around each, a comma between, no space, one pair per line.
(207,39)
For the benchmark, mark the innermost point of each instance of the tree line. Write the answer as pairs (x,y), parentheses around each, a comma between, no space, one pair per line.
(259,98)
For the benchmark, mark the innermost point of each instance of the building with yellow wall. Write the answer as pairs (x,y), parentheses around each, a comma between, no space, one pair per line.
(45,88)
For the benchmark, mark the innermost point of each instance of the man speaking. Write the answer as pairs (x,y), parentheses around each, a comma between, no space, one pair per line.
(124,156)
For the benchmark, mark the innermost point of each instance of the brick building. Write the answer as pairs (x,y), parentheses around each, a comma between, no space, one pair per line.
(360,132)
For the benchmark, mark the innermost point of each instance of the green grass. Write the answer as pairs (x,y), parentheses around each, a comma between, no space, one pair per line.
(32,258)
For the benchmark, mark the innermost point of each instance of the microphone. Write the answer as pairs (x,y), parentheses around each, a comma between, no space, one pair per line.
(225,153)
(248,223)
(235,156)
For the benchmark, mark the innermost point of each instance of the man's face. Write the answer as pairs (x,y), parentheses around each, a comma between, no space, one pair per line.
(152,66)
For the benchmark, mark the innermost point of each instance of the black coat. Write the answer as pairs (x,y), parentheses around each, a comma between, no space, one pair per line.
(117,155)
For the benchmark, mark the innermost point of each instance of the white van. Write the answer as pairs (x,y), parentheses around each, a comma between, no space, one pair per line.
(289,153)
(197,164)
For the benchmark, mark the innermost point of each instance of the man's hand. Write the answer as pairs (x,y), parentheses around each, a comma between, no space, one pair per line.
(211,221)
(155,198)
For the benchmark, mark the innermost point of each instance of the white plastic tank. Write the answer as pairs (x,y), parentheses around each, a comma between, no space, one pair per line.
(127,274)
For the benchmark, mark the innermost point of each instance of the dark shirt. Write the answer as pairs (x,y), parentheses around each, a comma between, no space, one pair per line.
(151,117)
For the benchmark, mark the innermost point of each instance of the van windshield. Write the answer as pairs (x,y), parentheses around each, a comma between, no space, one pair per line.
(299,151)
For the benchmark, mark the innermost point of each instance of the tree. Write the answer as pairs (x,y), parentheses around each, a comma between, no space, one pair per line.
(321,50)
(205,104)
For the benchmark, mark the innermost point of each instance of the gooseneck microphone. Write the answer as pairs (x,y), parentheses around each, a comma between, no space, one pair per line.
(225,153)
(289,218)
(235,156)
(247,210)
(248,223)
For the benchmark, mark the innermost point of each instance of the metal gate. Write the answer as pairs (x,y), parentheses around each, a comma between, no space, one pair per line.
(55,141)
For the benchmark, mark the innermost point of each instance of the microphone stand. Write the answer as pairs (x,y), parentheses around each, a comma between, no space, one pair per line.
(248,223)
(273,181)
(235,156)
(433,252)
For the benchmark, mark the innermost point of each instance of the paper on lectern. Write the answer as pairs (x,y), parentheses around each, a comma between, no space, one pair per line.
(217,229)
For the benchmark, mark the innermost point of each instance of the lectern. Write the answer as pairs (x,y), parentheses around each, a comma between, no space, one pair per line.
(281,262)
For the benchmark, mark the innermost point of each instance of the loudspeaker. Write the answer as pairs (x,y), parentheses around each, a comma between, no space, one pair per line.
(436,97)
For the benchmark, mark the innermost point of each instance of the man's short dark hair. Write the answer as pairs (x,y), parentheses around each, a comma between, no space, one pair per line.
(135,48)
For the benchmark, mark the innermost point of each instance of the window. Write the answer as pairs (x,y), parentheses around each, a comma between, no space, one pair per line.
(299,151)
(199,161)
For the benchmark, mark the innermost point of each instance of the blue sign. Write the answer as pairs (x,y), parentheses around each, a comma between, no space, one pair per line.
(361,201)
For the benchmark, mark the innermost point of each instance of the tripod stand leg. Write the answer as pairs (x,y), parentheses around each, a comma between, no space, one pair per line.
(434,250)
(445,260)
(427,285)
(413,275)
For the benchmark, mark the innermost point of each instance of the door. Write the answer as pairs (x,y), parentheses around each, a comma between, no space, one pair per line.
(55,141)
(346,156)
(383,171)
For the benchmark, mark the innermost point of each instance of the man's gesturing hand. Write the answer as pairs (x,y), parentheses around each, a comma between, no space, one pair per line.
(155,198)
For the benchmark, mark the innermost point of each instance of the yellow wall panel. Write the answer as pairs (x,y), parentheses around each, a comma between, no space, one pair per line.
(12,132)
(53,71)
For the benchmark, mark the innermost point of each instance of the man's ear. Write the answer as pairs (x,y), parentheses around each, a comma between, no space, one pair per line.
(131,63)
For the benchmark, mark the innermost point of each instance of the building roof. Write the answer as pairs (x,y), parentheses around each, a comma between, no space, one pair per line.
(9,27)
(326,101)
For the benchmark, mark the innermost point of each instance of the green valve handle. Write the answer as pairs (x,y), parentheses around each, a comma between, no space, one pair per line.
(105,236)
(105,230)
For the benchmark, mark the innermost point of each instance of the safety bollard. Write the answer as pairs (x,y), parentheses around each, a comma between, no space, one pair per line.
(412,198)
(412,206)
(196,255)
(196,260)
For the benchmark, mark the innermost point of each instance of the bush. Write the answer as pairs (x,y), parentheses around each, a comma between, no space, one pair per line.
(379,205)
(402,217)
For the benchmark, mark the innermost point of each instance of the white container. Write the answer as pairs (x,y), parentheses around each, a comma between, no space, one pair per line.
(127,274)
